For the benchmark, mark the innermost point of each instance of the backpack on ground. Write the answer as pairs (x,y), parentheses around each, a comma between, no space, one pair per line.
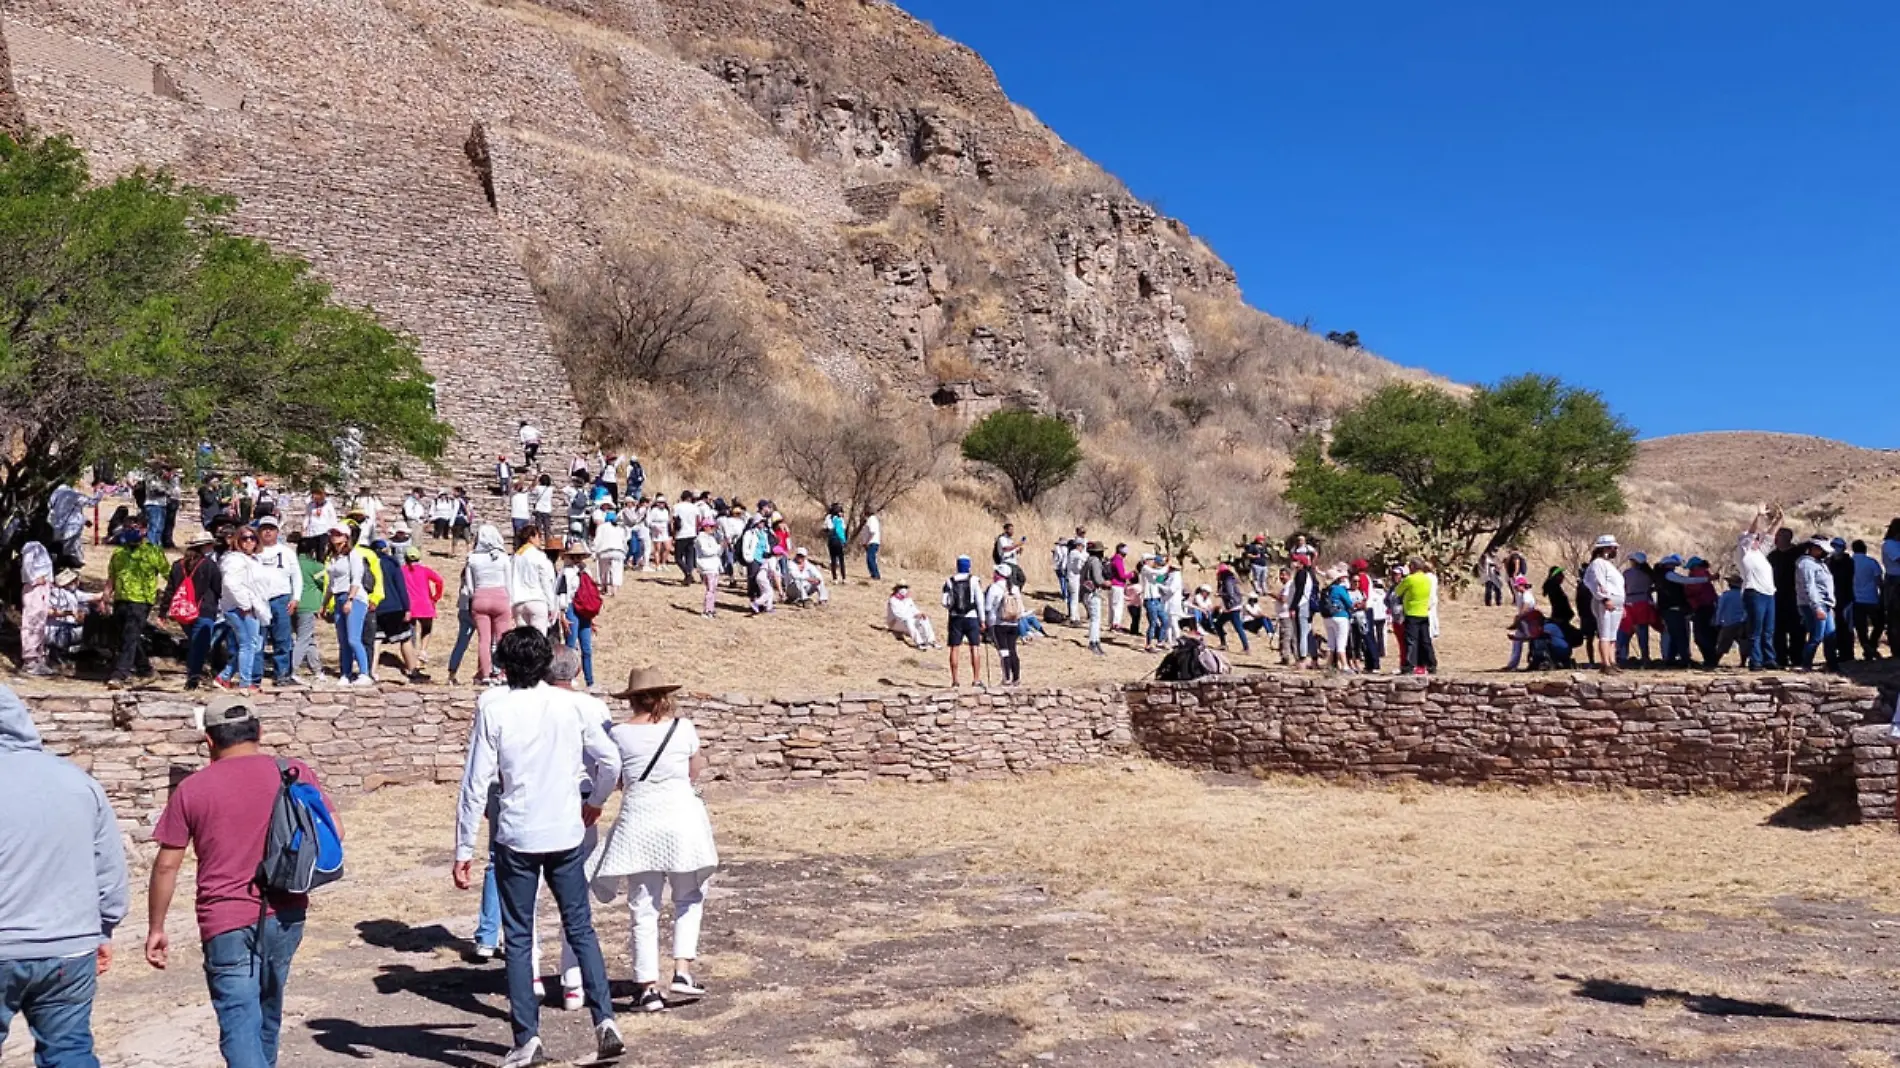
(184,607)
(587,603)
(962,595)
(1182,663)
(1212,662)
(302,849)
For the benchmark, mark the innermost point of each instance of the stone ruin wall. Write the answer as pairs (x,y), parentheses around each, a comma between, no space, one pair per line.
(12,114)
(1743,734)
(393,217)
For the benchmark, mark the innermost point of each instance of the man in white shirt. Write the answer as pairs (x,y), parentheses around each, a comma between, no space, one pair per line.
(685,529)
(530,442)
(1007,547)
(1758,589)
(414,509)
(282,582)
(873,540)
(534,740)
(320,514)
(520,507)
(964,598)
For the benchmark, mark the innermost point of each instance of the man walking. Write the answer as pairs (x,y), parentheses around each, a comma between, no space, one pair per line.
(964,599)
(534,739)
(133,577)
(63,892)
(223,813)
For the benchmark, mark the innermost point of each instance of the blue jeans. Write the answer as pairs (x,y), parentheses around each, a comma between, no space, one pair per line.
(1062,582)
(517,878)
(352,660)
(1819,631)
(1028,625)
(281,640)
(1157,624)
(200,648)
(870,561)
(580,635)
(245,659)
(55,994)
(1758,613)
(246,971)
(488,921)
(155,524)
(464,634)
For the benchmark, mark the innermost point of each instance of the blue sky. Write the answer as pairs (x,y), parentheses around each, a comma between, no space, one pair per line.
(1691,206)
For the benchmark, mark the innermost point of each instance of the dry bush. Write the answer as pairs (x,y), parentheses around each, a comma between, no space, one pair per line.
(866,458)
(1108,491)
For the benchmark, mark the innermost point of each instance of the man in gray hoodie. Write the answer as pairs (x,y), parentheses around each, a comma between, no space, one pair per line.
(62,892)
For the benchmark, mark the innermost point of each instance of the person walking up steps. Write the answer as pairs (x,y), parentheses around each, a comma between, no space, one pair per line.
(63,893)
(534,739)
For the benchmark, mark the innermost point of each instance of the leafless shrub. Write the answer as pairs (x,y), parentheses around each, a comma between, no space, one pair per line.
(1182,506)
(1108,491)
(861,457)
(641,316)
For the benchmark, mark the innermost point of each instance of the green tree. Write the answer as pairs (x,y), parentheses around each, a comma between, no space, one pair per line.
(134,324)
(1036,453)
(1472,474)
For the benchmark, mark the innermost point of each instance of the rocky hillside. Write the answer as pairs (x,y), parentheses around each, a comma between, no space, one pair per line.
(861,186)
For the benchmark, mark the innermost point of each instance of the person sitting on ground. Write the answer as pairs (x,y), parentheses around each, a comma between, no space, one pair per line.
(905,619)
(1201,607)
(67,609)
(808,585)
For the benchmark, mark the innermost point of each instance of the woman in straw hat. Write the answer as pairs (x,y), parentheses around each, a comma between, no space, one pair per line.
(662,836)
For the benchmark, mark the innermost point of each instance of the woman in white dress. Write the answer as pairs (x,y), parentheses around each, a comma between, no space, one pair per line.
(662,837)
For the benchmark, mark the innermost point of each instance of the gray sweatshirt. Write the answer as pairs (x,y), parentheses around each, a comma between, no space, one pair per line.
(63,888)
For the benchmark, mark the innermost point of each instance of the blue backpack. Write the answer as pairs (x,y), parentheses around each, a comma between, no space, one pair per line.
(302,848)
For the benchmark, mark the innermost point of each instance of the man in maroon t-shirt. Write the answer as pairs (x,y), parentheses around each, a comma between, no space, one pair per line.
(223,812)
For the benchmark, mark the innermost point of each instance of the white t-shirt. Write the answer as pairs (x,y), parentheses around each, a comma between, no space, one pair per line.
(544,499)
(657,519)
(529,435)
(1757,573)
(519,507)
(685,519)
(319,518)
(874,531)
(638,742)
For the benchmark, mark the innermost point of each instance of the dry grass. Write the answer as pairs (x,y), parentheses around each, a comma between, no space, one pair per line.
(1412,854)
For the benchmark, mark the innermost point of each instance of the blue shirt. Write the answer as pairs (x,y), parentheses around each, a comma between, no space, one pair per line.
(1728,609)
(1866,579)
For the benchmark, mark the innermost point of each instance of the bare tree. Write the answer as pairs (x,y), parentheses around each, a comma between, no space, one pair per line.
(863,458)
(1181,506)
(655,317)
(1108,490)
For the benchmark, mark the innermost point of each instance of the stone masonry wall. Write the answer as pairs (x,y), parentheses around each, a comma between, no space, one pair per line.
(12,115)
(139,745)
(1753,733)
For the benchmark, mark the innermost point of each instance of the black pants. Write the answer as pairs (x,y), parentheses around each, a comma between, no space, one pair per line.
(1843,639)
(1003,636)
(1418,644)
(836,549)
(1372,635)
(130,617)
(684,554)
(1791,636)
(531,451)
(171,523)
(1870,622)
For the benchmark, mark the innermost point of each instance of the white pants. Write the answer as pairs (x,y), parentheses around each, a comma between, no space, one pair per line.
(921,632)
(643,899)
(1117,602)
(533,614)
(612,564)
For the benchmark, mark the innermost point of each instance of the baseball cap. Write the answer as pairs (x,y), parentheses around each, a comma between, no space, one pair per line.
(228,708)
(267,521)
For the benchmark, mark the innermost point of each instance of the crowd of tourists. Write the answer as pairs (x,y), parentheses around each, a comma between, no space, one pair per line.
(543,759)
(1783,603)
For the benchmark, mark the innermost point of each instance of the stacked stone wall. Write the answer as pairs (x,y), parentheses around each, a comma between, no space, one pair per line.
(139,745)
(12,115)
(1744,734)
(393,217)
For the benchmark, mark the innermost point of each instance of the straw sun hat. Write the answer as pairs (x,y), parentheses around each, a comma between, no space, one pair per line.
(646,681)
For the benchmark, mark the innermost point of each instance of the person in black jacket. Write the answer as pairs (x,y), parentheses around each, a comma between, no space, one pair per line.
(1841,565)
(393,618)
(207,582)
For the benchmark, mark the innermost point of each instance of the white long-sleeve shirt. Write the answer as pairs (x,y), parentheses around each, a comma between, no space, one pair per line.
(244,586)
(531,578)
(281,577)
(486,570)
(1751,557)
(537,743)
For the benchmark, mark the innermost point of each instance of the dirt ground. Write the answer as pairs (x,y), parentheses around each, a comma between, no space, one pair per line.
(1137,915)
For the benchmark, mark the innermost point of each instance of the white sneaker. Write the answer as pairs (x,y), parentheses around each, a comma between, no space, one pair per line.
(684,983)
(484,952)
(362,680)
(540,990)
(530,1053)
(572,999)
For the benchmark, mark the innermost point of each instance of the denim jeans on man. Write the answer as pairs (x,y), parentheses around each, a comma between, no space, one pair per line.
(870,561)
(246,971)
(1758,611)
(55,995)
(580,635)
(517,877)
(155,524)
(488,920)
(1157,621)
(246,658)
(199,649)
(282,640)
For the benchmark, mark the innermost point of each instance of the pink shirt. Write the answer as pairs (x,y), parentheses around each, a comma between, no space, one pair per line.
(425,589)
(222,811)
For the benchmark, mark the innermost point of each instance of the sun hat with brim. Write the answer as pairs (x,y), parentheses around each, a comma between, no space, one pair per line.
(1605,541)
(1639,557)
(577,548)
(203,537)
(642,681)
(1819,543)
(341,528)
(66,578)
